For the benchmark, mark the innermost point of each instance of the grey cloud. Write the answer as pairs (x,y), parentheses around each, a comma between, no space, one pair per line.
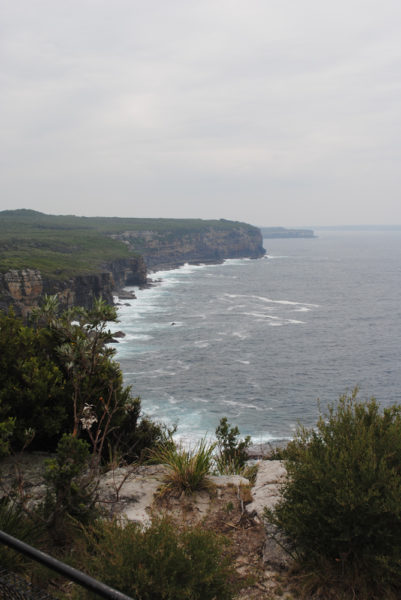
(274,112)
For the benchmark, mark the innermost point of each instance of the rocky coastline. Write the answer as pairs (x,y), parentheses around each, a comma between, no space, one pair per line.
(163,250)
(23,289)
(151,251)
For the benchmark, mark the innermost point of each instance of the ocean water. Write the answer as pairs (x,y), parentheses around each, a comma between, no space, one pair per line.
(264,341)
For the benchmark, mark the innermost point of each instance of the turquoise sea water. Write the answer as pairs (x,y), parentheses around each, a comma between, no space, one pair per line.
(260,341)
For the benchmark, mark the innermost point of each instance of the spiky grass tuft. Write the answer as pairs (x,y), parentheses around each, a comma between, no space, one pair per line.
(188,469)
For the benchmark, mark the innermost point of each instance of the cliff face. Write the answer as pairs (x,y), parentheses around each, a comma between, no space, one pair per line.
(23,289)
(164,245)
(162,250)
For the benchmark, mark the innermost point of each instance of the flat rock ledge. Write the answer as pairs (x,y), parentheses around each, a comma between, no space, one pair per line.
(131,491)
(266,493)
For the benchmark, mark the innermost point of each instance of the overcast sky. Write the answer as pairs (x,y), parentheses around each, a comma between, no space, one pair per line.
(276,112)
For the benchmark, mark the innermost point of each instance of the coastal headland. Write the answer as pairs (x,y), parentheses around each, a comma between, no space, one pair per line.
(82,258)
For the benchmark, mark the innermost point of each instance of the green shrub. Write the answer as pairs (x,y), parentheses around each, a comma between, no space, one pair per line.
(232,451)
(15,522)
(159,563)
(59,369)
(187,469)
(31,385)
(341,505)
(6,430)
(71,493)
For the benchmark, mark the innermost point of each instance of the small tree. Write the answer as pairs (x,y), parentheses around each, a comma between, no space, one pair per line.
(71,488)
(232,450)
(341,504)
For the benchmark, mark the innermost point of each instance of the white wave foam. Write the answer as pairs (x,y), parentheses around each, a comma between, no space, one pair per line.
(182,270)
(236,261)
(240,335)
(242,404)
(271,301)
(183,366)
(259,315)
(275,256)
(162,372)
(137,336)
(202,344)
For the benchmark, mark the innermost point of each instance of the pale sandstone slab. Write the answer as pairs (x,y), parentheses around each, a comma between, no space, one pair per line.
(266,493)
(130,492)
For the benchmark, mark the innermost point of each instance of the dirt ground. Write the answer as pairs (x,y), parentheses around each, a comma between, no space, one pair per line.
(226,514)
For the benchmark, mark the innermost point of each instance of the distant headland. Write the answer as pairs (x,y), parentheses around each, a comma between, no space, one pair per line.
(282,232)
(82,258)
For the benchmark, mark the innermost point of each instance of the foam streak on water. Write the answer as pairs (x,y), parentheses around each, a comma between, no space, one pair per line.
(259,341)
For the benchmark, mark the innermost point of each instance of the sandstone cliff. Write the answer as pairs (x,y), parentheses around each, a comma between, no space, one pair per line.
(23,289)
(80,258)
(167,249)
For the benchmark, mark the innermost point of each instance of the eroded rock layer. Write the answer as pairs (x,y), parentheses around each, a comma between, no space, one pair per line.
(162,250)
(23,289)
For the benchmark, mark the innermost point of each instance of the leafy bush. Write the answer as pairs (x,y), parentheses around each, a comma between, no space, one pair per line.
(32,389)
(60,371)
(187,469)
(71,490)
(341,505)
(159,563)
(232,451)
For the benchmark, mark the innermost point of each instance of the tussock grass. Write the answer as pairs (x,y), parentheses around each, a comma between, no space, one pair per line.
(188,469)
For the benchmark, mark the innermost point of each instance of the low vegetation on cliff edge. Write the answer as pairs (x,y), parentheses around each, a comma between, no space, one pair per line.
(341,504)
(64,246)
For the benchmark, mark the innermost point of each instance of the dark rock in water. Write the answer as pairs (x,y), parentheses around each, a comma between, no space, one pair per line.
(125,295)
(119,334)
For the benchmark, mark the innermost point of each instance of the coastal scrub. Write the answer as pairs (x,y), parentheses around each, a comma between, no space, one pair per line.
(341,504)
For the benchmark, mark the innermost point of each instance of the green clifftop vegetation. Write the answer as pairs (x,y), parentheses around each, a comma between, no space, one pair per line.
(65,245)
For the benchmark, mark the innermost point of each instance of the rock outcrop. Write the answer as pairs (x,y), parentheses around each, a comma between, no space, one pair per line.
(266,493)
(23,289)
(168,249)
